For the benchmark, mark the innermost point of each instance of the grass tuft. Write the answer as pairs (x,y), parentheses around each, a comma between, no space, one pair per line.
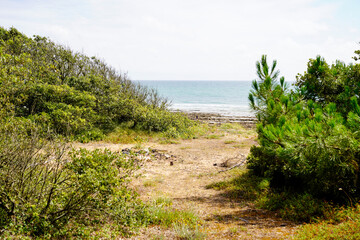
(185,232)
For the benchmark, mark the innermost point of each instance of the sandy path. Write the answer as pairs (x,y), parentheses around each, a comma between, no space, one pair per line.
(185,183)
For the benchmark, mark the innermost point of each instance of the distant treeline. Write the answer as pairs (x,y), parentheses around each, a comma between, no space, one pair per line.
(73,94)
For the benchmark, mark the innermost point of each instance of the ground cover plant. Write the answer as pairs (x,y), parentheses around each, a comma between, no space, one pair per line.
(343,224)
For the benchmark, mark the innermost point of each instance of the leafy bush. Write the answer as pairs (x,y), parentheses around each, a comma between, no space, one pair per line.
(44,185)
(72,93)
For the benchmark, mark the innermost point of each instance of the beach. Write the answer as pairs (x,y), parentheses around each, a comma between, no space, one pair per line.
(216,118)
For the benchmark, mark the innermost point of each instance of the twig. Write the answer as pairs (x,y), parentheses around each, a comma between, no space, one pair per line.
(236,165)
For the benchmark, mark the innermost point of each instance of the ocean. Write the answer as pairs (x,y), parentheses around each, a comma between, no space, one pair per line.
(228,98)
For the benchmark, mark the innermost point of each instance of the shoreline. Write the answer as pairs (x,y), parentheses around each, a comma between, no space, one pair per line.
(218,119)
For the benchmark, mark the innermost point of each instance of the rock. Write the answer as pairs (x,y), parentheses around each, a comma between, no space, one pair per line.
(148,154)
(126,151)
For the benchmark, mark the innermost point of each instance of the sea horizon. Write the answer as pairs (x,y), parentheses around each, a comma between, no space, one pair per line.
(225,97)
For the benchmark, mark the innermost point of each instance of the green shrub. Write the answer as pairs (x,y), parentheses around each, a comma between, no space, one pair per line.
(305,145)
(43,185)
(91,135)
(71,93)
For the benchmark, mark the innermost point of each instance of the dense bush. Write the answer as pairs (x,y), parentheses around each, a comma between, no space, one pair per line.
(45,184)
(309,136)
(72,93)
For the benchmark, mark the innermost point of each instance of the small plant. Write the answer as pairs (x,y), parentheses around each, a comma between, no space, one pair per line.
(214,136)
(185,232)
(185,147)
(138,146)
(167,216)
(163,201)
(230,141)
(152,182)
(168,141)
(158,237)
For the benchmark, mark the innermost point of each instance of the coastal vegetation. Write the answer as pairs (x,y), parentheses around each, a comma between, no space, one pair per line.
(50,96)
(305,166)
(75,95)
(309,149)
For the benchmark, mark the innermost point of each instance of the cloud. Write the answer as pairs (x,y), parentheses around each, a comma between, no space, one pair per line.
(191,39)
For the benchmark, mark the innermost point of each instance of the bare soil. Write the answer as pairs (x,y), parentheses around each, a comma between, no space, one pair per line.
(184,181)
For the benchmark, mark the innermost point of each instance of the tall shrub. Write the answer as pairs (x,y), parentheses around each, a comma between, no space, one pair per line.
(306,143)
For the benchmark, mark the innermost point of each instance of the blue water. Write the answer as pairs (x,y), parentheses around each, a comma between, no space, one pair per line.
(228,98)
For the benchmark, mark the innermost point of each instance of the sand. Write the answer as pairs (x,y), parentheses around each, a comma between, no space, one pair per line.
(196,164)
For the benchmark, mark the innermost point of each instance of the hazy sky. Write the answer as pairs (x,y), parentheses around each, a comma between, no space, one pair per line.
(194,39)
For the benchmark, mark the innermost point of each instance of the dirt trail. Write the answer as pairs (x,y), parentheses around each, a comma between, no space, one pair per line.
(185,183)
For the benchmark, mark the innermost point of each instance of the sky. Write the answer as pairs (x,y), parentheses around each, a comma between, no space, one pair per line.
(194,39)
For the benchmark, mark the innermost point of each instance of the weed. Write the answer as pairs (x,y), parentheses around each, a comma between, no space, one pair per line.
(168,141)
(158,237)
(184,232)
(126,135)
(233,230)
(163,201)
(138,146)
(242,145)
(214,136)
(230,141)
(185,147)
(167,216)
(152,182)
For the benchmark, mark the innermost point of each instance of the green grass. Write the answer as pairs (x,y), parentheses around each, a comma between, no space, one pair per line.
(214,136)
(168,141)
(168,217)
(162,201)
(152,182)
(185,147)
(184,232)
(243,145)
(127,135)
(244,186)
(344,223)
(235,128)
(230,141)
(162,213)
(123,134)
